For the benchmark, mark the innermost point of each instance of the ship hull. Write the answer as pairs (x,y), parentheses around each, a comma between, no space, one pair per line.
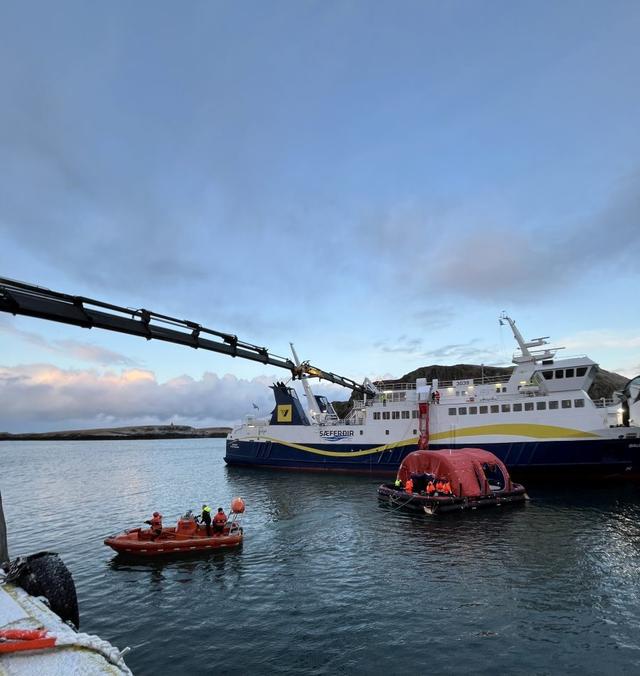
(596,457)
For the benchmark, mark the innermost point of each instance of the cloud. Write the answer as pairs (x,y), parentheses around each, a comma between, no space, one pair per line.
(44,397)
(403,344)
(589,341)
(506,261)
(69,348)
(470,352)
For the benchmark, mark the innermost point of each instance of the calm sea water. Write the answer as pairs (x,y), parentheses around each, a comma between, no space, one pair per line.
(328,581)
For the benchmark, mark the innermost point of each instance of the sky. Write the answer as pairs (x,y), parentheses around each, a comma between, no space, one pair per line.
(374,182)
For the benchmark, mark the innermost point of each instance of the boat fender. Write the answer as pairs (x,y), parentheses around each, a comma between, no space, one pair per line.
(44,574)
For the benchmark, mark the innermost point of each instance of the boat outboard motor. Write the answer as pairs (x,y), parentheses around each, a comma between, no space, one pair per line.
(44,574)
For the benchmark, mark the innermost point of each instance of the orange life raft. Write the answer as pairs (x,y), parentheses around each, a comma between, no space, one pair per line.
(187,537)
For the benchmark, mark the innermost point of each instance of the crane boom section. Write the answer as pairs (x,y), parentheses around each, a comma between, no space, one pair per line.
(20,298)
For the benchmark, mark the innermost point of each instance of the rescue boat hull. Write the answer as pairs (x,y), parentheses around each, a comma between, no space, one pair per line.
(139,542)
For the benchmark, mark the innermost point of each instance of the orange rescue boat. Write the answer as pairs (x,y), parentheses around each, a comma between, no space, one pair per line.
(187,537)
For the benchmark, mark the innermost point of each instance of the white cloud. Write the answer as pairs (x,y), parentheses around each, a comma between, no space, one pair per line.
(45,397)
(41,397)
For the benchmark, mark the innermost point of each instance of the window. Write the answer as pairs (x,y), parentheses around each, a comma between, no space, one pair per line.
(581,371)
(568,373)
(386,415)
(528,406)
(395,415)
(578,403)
(495,408)
(376,415)
(414,414)
(559,373)
(517,407)
(452,411)
(547,375)
(473,410)
(415,431)
(386,431)
(566,403)
(541,405)
(484,409)
(361,432)
(553,405)
(506,408)
(405,415)
(462,410)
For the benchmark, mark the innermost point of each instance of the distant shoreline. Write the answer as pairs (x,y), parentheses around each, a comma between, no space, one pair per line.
(123,433)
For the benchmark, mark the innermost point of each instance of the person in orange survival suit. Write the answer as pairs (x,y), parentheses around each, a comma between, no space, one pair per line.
(156,525)
(219,521)
(408,487)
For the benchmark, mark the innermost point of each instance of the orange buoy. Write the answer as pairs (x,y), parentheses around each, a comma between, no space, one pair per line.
(237,505)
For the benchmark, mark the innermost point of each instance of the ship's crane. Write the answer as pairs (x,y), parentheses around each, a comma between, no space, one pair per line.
(20,298)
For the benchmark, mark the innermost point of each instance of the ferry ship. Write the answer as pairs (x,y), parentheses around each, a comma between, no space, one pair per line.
(537,419)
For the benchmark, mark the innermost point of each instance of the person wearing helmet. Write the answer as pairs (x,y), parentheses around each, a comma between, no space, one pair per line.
(219,520)
(156,525)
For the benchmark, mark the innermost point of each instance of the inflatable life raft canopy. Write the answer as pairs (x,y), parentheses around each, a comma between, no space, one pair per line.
(466,469)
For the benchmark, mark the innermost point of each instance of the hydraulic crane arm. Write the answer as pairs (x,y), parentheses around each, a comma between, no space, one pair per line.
(19,298)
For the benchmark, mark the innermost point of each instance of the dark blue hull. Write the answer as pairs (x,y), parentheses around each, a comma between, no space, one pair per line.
(599,457)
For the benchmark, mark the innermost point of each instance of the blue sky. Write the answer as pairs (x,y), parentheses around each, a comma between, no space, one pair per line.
(372,181)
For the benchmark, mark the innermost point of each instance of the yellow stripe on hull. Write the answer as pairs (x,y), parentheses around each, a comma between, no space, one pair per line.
(345,454)
(516,430)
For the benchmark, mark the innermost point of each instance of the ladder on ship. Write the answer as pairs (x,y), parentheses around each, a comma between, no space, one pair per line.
(423,425)
(20,298)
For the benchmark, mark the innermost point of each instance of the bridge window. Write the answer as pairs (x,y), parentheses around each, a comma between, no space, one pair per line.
(473,410)
(484,409)
(376,415)
(386,415)
(495,408)
(506,408)
(462,410)
(541,405)
(547,375)
(578,403)
(517,408)
(452,411)
(559,373)
(405,415)
(553,405)
(528,406)
(566,403)
(581,371)
(568,373)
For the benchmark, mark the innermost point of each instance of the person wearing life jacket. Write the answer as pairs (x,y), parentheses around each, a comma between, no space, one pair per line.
(440,486)
(206,518)
(219,521)
(398,483)
(408,486)
(437,396)
(446,487)
(156,525)
(431,489)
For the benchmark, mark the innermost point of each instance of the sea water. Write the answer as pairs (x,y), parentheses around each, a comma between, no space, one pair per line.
(328,581)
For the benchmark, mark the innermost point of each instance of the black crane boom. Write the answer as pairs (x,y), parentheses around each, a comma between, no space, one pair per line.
(20,298)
